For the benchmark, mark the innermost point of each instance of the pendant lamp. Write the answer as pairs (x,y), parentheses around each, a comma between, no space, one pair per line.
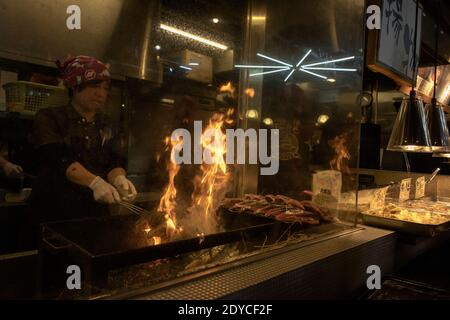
(410,132)
(437,125)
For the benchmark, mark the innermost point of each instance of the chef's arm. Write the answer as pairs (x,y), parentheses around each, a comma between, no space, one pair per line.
(118,178)
(3,162)
(78,174)
(114,173)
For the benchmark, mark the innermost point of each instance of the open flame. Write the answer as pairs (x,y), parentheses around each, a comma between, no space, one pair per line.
(228,88)
(156,241)
(250,92)
(167,203)
(339,162)
(211,185)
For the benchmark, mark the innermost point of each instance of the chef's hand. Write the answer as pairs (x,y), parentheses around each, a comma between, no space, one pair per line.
(125,187)
(12,170)
(104,192)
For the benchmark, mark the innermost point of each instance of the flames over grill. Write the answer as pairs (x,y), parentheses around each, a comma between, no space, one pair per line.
(168,203)
(210,185)
(339,162)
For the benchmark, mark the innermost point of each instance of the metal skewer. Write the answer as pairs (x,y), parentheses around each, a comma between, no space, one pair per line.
(134,208)
(434,174)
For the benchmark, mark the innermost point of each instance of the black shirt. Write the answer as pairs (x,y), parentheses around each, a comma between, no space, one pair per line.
(61,136)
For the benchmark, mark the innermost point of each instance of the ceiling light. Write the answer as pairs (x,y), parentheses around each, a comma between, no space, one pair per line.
(268,121)
(326,62)
(290,69)
(323,118)
(267,72)
(312,73)
(193,37)
(215,20)
(274,60)
(331,69)
(167,101)
(252,114)
(259,67)
(258,18)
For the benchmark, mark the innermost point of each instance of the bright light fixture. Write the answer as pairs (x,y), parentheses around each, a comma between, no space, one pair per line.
(313,74)
(167,101)
(323,118)
(303,59)
(326,62)
(216,20)
(158,47)
(330,69)
(284,66)
(259,67)
(267,72)
(258,18)
(193,36)
(289,75)
(298,65)
(268,121)
(274,60)
(252,114)
(186,68)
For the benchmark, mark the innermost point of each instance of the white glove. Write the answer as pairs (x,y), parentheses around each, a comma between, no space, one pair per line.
(125,187)
(104,192)
(12,170)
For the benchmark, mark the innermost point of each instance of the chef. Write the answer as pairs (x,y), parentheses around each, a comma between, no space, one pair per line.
(11,170)
(78,150)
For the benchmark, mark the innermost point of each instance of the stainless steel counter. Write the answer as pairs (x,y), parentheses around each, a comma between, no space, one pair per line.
(329,268)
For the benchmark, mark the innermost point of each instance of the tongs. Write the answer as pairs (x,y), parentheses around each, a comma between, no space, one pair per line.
(134,209)
(432,177)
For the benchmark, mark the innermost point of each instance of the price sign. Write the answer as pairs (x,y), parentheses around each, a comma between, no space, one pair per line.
(405,190)
(420,187)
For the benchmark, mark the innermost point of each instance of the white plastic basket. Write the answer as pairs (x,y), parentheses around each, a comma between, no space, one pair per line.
(29,97)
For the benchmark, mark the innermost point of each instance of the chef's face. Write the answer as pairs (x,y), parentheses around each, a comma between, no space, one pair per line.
(92,97)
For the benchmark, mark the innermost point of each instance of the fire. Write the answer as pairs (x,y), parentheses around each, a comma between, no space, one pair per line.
(250,92)
(167,203)
(147,230)
(339,162)
(212,184)
(156,241)
(229,88)
(229,118)
(201,238)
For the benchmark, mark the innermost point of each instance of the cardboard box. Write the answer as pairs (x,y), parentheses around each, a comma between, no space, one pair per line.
(203,72)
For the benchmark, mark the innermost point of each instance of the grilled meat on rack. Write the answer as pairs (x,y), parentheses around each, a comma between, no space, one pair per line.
(279,207)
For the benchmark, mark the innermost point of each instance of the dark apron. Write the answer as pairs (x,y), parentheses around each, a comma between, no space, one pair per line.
(55,198)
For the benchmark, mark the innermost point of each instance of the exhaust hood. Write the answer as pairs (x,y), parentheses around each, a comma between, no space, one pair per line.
(119,32)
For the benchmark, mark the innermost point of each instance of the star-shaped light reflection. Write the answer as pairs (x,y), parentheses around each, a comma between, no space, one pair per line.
(291,69)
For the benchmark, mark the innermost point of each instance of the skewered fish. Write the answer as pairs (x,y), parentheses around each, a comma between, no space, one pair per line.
(279,207)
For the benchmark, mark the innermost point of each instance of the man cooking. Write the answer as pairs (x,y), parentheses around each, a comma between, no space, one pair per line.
(81,166)
(11,170)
